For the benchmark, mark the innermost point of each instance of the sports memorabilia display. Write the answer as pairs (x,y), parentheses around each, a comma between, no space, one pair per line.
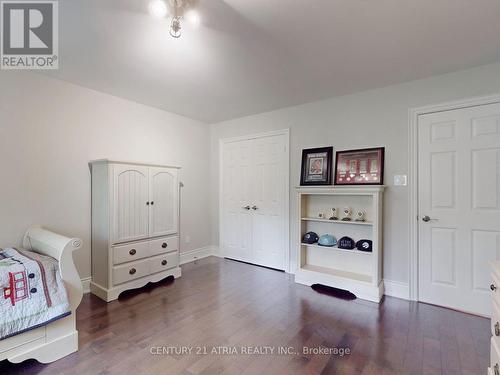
(310,238)
(346,214)
(334,215)
(360,215)
(346,243)
(364,245)
(360,167)
(327,240)
(316,166)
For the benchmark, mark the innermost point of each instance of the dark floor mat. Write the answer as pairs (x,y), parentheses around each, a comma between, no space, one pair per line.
(333,292)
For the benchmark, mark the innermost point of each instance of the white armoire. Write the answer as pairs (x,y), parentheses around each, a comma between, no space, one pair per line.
(135,226)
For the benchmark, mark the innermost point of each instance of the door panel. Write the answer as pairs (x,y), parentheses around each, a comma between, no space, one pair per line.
(164,189)
(130,212)
(269,199)
(459,190)
(236,194)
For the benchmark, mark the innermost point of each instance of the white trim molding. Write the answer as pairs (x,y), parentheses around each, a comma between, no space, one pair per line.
(396,289)
(413,115)
(86,284)
(196,254)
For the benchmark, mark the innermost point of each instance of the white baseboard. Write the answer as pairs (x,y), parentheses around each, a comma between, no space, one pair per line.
(86,284)
(397,289)
(216,251)
(202,252)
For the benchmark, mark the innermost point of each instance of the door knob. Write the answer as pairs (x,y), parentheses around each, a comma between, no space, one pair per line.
(246,207)
(255,208)
(427,219)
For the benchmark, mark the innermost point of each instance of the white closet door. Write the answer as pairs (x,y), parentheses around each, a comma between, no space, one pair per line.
(236,215)
(459,206)
(163,188)
(268,203)
(130,209)
(253,197)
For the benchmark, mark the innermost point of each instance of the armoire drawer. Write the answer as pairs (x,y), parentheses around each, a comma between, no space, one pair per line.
(130,271)
(163,245)
(163,262)
(130,252)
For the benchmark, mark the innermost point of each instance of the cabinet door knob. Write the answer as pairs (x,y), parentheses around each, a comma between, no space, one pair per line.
(497,329)
(493,287)
(152,203)
(164,262)
(164,245)
(147,203)
(255,208)
(132,252)
(246,207)
(132,271)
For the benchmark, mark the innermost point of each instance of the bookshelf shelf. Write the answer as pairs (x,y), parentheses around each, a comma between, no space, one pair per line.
(358,271)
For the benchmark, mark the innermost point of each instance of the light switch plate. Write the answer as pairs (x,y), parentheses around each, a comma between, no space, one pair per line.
(400,180)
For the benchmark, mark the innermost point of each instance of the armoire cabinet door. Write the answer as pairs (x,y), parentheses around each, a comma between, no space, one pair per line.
(163,191)
(130,198)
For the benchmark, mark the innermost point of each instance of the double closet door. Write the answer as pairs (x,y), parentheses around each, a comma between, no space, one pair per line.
(254,200)
(145,202)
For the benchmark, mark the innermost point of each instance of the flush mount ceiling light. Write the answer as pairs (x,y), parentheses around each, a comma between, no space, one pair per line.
(179,10)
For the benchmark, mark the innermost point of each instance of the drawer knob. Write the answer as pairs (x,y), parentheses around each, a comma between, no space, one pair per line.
(132,271)
(132,252)
(493,287)
(164,263)
(164,245)
(497,329)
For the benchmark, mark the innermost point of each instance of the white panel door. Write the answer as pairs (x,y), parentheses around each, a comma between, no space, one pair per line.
(268,203)
(130,203)
(163,196)
(459,206)
(236,200)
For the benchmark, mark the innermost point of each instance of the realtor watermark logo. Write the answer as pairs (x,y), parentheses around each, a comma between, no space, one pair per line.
(29,34)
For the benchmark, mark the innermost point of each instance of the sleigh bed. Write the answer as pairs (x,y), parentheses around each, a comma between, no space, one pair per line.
(59,338)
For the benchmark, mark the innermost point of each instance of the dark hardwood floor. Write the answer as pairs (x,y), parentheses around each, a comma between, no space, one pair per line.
(222,303)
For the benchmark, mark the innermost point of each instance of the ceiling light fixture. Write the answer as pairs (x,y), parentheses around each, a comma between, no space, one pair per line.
(179,9)
(158,8)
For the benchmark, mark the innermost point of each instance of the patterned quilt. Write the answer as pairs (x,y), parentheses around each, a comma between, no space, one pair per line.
(32,292)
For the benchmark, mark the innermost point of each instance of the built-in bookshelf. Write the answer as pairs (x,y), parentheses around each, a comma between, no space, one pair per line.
(358,271)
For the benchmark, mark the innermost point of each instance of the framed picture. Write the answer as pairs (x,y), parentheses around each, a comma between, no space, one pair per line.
(360,167)
(316,166)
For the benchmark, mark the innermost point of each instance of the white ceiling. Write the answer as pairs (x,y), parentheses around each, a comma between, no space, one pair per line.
(251,56)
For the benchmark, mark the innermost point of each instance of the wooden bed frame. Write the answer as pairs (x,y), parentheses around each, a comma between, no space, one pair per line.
(60,338)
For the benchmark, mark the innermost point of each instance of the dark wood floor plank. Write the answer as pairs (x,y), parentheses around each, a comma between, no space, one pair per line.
(226,304)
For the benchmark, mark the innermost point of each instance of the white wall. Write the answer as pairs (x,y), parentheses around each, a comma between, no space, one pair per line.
(368,119)
(50,129)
